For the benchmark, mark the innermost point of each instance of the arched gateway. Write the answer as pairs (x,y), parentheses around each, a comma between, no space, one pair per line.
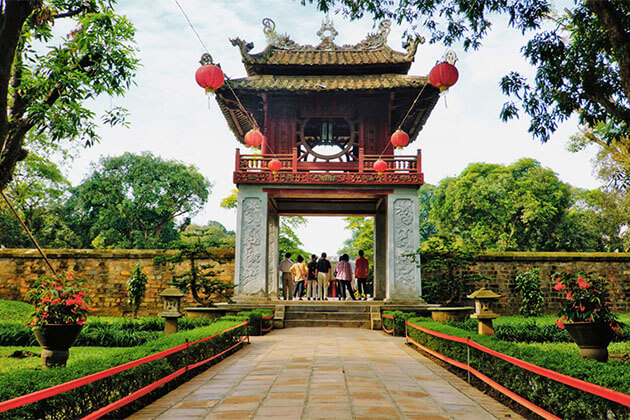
(327,113)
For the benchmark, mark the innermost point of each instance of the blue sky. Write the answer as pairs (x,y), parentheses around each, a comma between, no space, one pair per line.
(171,116)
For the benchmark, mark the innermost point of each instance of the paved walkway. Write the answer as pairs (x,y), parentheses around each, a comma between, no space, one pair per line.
(326,373)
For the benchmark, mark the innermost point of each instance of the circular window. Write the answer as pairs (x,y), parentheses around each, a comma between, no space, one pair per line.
(327,138)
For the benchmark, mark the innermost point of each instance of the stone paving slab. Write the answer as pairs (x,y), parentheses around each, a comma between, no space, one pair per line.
(326,373)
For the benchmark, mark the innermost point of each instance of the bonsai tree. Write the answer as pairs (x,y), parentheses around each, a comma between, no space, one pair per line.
(200,279)
(446,268)
(136,288)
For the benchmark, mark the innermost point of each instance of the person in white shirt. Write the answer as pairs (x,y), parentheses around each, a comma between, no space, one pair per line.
(287,278)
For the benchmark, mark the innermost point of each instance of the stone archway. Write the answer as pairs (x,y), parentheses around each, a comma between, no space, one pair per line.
(396,274)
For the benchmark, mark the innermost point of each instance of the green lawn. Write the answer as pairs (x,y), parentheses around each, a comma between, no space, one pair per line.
(15,311)
(11,364)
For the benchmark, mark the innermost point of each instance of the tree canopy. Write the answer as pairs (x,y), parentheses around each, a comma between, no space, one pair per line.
(131,201)
(47,77)
(522,207)
(581,54)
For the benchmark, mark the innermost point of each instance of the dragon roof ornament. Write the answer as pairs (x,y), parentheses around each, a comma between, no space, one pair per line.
(327,34)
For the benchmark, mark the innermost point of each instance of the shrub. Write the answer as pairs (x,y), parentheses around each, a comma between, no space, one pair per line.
(256,323)
(136,288)
(528,285)
(524,330)
(81,401)
(398,323)
(561,400)
(110,333)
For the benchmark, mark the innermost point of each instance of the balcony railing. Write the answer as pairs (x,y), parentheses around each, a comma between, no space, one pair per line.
(399,169)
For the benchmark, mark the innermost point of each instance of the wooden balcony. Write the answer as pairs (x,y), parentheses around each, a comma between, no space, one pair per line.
(401,170)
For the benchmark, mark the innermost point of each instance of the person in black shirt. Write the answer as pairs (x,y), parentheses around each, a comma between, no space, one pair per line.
(311,281)
(323,277)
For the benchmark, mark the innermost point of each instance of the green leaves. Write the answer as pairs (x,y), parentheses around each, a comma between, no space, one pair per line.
(527,283)
(492,207)
(131,201)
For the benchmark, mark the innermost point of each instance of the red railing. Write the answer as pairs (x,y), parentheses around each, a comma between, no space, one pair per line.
(600,391)
(67,386)
(363,164)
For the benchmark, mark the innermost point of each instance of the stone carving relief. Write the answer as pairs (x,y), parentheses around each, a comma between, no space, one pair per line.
(252,245)
(404,248)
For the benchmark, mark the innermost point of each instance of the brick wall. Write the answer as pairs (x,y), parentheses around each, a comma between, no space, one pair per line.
(107,272)
(503,266)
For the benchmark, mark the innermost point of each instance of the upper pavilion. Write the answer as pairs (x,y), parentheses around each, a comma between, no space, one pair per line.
(327,111)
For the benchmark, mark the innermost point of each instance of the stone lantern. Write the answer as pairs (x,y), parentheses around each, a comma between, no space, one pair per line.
(172,305)
(484,298)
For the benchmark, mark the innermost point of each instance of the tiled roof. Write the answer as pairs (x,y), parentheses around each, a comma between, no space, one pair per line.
(327,83)
(284,56)
(274,56)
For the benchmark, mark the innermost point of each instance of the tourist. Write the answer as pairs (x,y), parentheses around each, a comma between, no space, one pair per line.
(344,275)
(299,270)
(323,276)
(287,278)
(361,272)
(311,281)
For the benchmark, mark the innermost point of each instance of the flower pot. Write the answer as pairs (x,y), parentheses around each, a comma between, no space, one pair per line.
(55,340)
(592,339)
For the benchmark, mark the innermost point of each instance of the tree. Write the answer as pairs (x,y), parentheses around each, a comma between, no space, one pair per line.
(361,237)
(132,201)
(582,60)
(427,227)
(288,240)
(213,232)
(46,79)
(200,279)
(36,192)
(522,207)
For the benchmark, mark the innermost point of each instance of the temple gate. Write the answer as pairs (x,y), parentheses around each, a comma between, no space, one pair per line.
(327,113)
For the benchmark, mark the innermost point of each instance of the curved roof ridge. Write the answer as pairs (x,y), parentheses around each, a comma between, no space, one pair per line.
(281,48)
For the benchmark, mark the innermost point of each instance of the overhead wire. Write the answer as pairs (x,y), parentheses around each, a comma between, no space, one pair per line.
(227,79)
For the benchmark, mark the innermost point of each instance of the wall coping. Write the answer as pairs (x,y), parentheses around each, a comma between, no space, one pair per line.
(555,256)
(229,254)
(103,253)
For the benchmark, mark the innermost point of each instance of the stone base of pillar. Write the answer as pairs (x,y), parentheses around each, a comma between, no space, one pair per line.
(405,301)
(251,300)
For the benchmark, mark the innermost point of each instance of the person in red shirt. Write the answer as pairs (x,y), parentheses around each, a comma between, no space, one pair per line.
(361,270)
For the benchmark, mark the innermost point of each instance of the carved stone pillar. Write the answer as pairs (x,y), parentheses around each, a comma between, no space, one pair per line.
(403,275)
(273,252)
(251,245)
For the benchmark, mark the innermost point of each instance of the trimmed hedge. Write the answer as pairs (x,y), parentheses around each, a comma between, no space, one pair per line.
(81,401)
(104,333)
(527,330)
(562,400)
(256,323)
(399,321)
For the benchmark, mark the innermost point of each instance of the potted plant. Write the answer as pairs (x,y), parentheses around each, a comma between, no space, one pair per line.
(585,313)
(61,308)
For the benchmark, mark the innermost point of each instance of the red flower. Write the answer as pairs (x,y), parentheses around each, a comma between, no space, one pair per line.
(559,286)
(560,324)
(569,295)
(582,308)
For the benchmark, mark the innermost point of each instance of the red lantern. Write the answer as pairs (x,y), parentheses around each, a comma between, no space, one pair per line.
(443,76)
(274,165)
(400,139)
(380,166)
(209,77)
(254,138)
